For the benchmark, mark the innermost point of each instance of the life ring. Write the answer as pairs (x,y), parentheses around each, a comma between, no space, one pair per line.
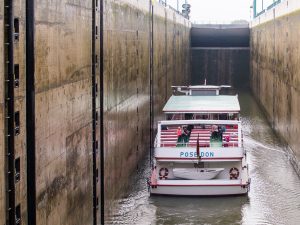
(234,173)
(163,173)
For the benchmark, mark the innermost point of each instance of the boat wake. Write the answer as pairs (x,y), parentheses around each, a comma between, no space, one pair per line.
(252,143)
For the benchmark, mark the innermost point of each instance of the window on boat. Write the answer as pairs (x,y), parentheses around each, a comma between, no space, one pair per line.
(223,116)
(188,116)
(201,116)
(169,116)
(232,116)
(177,116)
(215,116)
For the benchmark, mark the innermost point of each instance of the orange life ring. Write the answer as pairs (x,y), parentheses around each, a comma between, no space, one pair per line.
(163,173)
(234,173)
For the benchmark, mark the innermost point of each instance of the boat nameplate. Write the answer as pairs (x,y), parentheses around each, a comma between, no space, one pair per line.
(183,153)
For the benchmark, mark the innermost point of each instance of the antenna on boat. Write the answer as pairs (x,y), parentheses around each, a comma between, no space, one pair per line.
(205,81)
(198,147)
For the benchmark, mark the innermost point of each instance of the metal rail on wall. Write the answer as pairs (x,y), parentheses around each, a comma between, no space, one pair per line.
(101,86)
(94,114)
(30,113)
(9,111)
(151,36)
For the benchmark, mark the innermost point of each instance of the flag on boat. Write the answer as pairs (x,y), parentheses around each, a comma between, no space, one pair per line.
(198,147)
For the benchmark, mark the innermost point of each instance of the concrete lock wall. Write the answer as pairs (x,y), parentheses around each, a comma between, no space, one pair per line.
(63,45)
(126,92)
(275,70)
(127,81)
(171,55)
(63,112)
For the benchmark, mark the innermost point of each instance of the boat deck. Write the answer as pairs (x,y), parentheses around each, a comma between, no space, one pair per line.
(169,137)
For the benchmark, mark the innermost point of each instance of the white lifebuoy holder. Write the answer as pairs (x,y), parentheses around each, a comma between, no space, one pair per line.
(234,173)
(163,173)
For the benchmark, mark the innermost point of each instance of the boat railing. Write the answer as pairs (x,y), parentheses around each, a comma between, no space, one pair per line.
(208,133)
(201,145)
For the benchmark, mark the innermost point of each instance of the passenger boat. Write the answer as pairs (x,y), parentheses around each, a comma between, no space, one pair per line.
(198,149)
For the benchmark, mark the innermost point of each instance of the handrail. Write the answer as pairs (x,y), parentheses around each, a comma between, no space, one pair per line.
(231,144)
(273,4)
(200,122)
(264,9)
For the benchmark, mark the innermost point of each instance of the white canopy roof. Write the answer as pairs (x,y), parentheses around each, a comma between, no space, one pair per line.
(203,104)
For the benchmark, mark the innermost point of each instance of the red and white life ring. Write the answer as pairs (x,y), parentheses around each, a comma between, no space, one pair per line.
(163,173)
(234,173)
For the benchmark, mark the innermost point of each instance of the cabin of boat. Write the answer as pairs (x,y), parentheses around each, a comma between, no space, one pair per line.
(199,148)
(201,102)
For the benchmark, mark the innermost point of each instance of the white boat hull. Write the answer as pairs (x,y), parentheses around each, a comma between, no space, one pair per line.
(199,191)
(199,188)
(197,173)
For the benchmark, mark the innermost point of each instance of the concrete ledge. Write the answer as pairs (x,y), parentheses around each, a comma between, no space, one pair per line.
(220,48)
(220,26)
(220,35)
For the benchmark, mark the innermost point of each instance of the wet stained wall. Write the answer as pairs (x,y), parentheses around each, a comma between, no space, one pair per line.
(275,74)
(127,36)
(63,112)
(171,56)
(2,109)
